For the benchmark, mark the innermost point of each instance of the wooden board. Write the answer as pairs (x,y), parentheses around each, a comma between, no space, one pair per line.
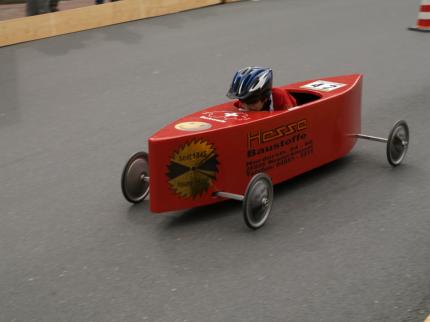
(18,30)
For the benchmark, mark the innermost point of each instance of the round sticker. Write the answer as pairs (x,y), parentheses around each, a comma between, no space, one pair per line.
(193,126)
(193,168)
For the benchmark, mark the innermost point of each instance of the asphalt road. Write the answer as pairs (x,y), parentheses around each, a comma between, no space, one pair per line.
(346,242)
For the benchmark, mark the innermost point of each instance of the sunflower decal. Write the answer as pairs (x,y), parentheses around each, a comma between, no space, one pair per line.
(192,169)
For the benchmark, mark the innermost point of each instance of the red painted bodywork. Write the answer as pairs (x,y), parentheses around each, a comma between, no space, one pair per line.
(282,144)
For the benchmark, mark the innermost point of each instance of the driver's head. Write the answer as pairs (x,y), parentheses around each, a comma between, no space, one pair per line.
(252,86)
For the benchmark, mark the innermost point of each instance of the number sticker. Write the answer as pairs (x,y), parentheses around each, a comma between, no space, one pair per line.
(324,86)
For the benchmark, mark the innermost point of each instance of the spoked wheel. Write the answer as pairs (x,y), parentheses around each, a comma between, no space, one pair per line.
(135,178)
(258,201)
(397,144)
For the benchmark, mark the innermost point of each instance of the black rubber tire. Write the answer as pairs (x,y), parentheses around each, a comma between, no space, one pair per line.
(258,200)
(133,187)
(397,144)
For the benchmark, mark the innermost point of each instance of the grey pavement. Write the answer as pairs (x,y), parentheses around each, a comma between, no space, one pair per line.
(345,242)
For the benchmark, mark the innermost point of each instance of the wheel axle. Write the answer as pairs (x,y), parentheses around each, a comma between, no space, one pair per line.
(370,138)
(397,142)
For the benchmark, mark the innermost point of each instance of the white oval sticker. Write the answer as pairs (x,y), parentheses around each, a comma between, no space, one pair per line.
(193,126)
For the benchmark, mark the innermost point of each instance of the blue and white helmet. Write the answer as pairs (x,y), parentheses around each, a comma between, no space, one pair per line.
(251,82)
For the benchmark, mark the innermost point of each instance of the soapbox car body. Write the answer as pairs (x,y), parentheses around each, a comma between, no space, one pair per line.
(223,153)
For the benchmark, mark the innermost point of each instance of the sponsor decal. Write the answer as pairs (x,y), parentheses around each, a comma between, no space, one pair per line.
(193,126)
(277,147)
(262,137)
(193,169)
(324,86)
(224,116)
(278,157)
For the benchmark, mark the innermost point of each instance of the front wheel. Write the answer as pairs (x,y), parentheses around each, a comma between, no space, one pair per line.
(258,201)
(135,178)
(397,144)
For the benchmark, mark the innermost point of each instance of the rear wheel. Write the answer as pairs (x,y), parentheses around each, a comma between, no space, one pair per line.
(397,144)
(135,178)
(258,201)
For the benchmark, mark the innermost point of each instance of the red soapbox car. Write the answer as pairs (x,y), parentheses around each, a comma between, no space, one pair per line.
(222,153)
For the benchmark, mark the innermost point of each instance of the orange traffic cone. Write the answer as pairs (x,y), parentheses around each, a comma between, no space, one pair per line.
(423,22)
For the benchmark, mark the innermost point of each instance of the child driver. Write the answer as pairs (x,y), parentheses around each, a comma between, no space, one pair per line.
(252,87)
